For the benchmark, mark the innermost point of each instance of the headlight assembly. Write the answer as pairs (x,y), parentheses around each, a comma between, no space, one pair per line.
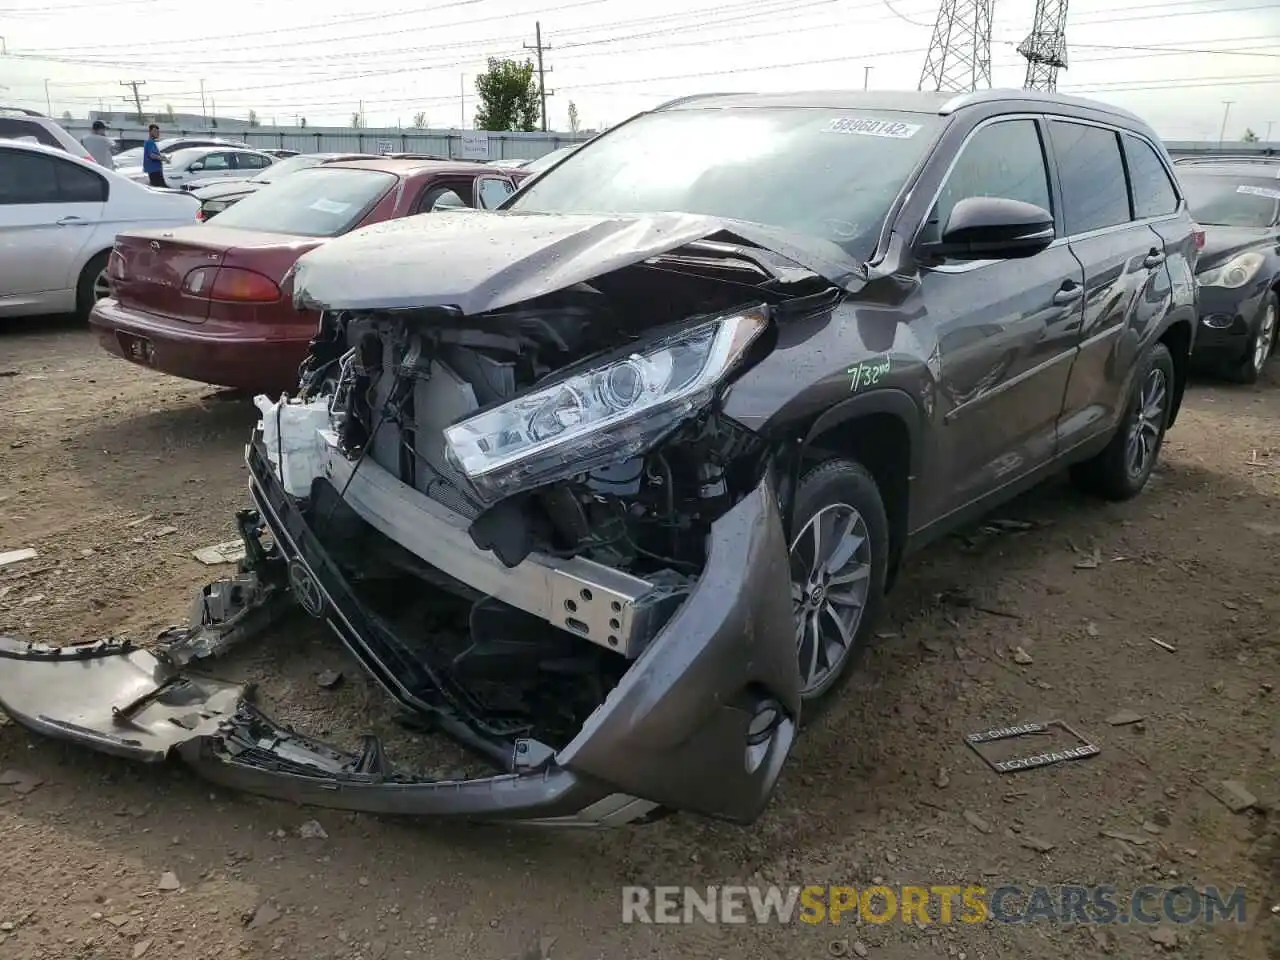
(602,415)
(1233,274)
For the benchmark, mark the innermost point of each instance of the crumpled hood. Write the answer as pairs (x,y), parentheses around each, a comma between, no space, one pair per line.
(478,261)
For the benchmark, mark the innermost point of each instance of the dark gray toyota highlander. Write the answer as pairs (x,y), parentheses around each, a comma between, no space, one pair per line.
(609,484)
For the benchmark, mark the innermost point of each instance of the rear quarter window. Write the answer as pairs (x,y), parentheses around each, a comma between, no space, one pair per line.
(11,128)
(320,202)
(1095,193)
(1153,192)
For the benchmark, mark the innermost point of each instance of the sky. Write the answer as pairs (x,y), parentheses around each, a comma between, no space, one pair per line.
(1184,65)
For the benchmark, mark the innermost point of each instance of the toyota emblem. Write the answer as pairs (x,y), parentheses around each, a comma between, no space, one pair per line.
(305,589)
(155,244)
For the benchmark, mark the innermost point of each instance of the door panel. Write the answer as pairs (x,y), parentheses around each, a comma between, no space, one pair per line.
(1127,285)
(1006,330)
(41,236)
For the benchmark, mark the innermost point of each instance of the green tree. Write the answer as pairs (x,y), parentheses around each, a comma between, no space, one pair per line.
(168,113)
(575,124)
(355,120)
(253,118)
(419,120)
(508,96)
(1250,136)
(66,115)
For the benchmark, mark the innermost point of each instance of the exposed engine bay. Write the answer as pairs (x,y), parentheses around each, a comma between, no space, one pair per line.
(396,381)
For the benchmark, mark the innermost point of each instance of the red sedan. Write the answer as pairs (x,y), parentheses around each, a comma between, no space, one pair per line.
(213,302)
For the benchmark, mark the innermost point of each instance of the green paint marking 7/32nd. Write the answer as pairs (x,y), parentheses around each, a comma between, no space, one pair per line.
(868,373)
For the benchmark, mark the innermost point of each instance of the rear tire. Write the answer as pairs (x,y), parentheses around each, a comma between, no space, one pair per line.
(1121,470)
(837,590)
(1261,345)
(92,285)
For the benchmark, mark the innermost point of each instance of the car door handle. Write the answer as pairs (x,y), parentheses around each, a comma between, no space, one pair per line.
(1153,259)
(1068,294)
(72,222)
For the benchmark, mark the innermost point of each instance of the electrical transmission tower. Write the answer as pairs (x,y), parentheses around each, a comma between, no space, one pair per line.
(1046,46)
(959,56)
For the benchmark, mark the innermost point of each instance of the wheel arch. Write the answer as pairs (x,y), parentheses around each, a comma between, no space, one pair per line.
(883,431)
(1178,337)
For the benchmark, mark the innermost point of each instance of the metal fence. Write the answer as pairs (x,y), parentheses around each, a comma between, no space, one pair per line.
(442,143)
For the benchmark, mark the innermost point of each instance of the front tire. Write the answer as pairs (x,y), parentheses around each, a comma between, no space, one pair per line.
(1122,469)
(1261,345)
(839,558)
(92,285)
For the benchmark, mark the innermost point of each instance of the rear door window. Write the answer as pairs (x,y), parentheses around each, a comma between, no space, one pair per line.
(78,185)
(320,202)
(27,177)
(1153,192)
(1004,159)
(1095,193)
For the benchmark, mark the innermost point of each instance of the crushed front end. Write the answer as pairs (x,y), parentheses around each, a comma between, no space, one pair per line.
(553,482)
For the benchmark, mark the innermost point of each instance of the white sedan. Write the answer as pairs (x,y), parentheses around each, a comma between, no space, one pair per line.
(59,216)
(207,165)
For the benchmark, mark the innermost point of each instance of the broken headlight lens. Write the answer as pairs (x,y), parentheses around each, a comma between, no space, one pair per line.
(600,416)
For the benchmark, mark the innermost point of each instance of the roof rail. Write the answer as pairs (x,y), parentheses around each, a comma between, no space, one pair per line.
(690,98)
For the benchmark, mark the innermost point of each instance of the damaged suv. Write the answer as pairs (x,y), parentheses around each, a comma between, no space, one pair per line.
(657,435)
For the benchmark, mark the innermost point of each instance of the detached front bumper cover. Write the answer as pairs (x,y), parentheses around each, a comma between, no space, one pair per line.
(674,733)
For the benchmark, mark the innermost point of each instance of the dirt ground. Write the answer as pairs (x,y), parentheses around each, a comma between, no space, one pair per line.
(115,475)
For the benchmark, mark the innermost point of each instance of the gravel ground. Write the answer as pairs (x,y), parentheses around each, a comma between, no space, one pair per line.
(115,476)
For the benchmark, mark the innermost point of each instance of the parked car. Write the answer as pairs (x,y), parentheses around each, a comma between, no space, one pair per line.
(1239,269)
(218,196)
(211,302)
(280,154)
(665,464)
(31,127)
(59,215)
(170,145)
(201,166)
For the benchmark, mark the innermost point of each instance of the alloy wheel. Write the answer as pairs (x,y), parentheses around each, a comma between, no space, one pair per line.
(1148,421)
(1266,337)
(101,286)
(830,583)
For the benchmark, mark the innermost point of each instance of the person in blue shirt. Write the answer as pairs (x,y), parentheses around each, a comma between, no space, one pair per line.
(152,158)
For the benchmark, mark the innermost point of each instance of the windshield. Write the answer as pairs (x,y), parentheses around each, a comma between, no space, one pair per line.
(322,202)
(282,168)
(1226,201)
(827,173)
(547,159)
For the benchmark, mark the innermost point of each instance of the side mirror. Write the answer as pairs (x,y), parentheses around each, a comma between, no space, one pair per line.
(994,228)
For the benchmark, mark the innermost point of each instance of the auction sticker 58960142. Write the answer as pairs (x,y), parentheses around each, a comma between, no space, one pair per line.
(871,127)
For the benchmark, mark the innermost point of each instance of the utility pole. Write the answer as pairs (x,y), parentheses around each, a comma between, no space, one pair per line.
(866,78)
(204,112)
(462,94)
(137,97)
(48,104)
(1226,112)
(1269,123)
(542,74)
